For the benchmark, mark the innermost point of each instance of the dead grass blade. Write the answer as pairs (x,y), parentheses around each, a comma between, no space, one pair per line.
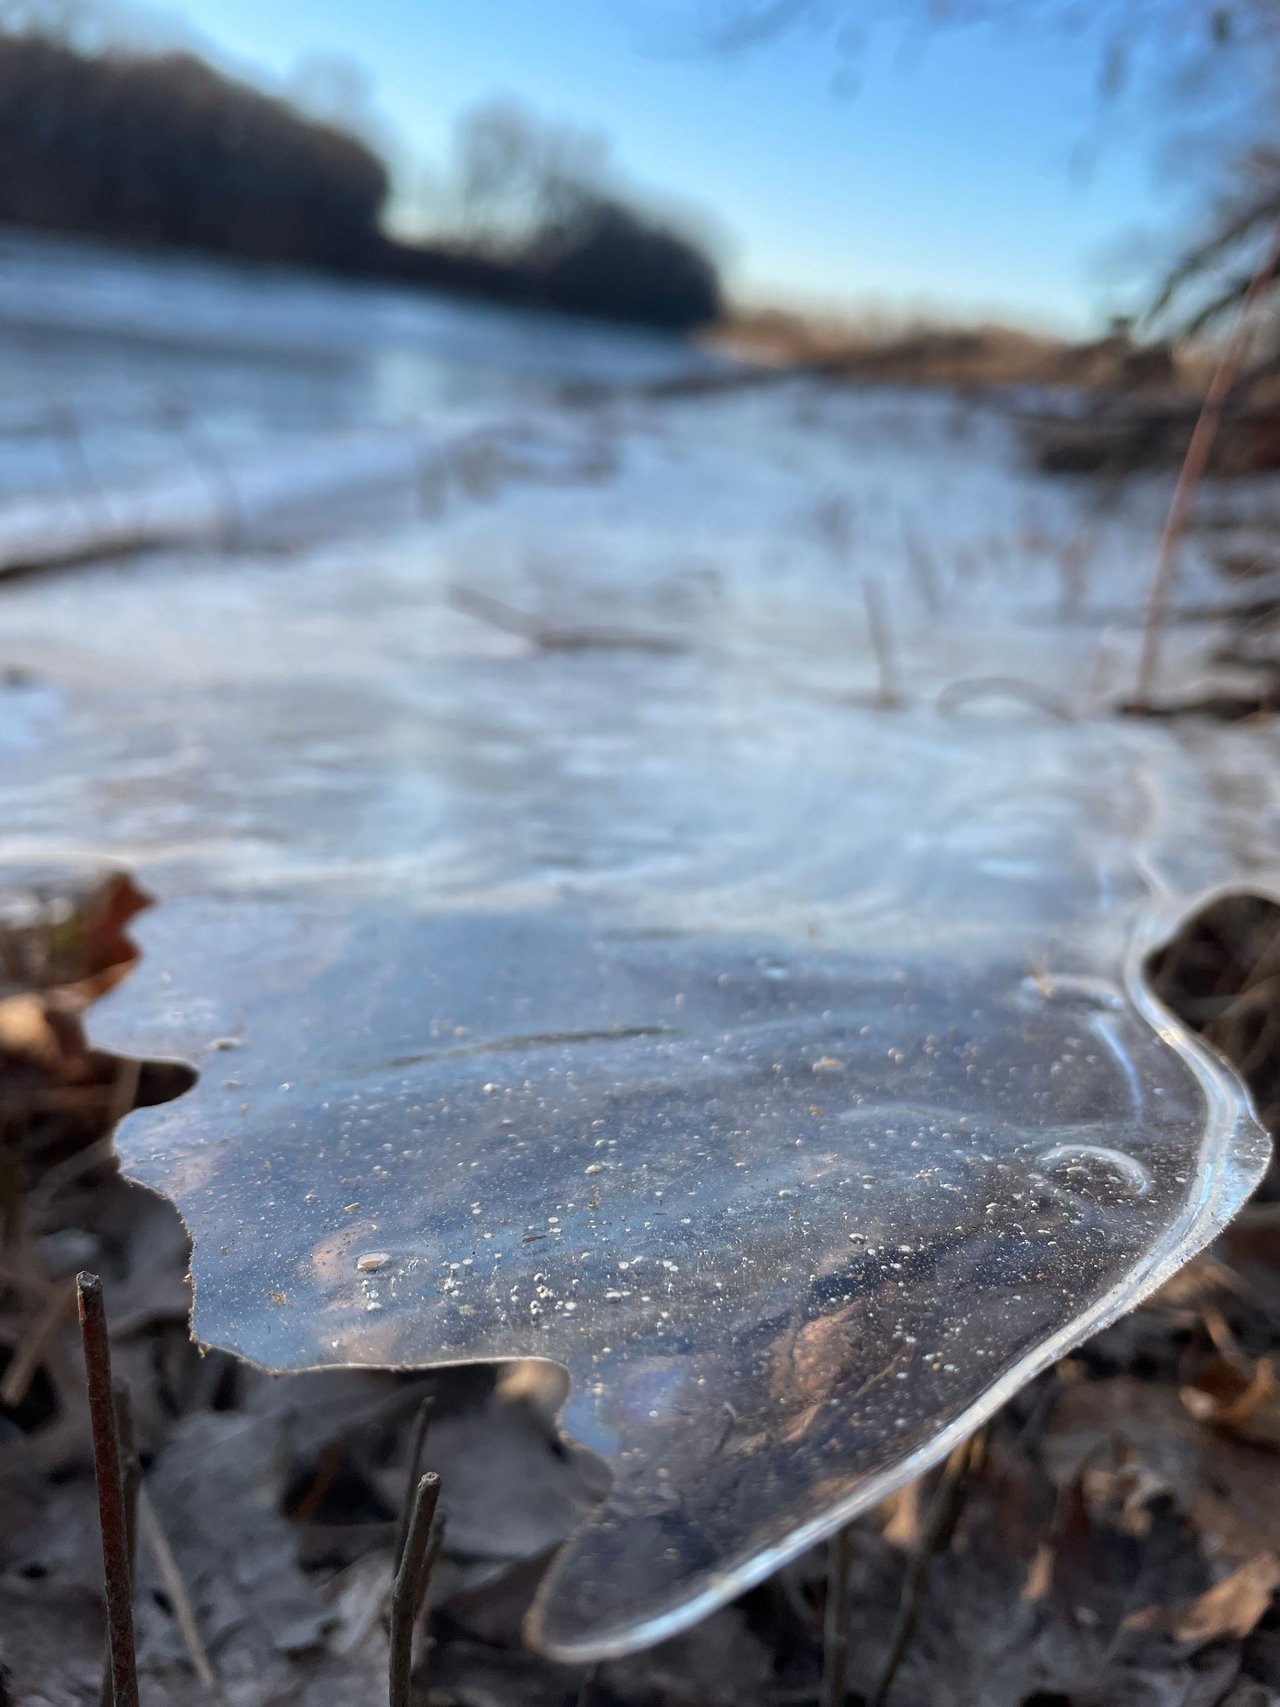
(1192,472)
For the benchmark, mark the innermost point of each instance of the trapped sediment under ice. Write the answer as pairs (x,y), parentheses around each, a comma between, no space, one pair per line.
(801,1156)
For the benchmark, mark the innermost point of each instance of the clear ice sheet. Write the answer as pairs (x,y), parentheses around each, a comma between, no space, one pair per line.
(800,1158)
(780,1066)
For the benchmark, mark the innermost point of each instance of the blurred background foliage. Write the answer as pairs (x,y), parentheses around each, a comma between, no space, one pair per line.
(112,140)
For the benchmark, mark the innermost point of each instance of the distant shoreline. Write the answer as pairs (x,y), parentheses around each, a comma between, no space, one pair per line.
(166,151)
(455,274)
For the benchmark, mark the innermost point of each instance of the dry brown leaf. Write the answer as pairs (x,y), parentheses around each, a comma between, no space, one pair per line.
(70,938)
(1241,1398)
(1222,1483)
(1231,1607)
(61,949)
(1144,1419)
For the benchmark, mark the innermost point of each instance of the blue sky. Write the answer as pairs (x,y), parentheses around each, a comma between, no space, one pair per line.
(945,181)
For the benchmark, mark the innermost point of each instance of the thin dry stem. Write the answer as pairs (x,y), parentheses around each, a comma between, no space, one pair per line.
(412,1576)
(421,1426)
(940,1525)
(26,1358)
(157,1543)
(112,1513)
(835,1630)
(889,693)
(1193,469)
(131,1486)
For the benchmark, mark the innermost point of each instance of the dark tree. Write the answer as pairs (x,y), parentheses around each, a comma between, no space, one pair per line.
(607,259)
(164,149)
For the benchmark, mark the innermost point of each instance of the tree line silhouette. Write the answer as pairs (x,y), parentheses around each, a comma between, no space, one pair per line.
(166,150)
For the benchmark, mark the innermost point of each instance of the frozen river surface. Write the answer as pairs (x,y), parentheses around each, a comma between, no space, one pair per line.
(651,876)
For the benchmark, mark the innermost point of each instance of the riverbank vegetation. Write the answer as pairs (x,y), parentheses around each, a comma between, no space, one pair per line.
(165,150)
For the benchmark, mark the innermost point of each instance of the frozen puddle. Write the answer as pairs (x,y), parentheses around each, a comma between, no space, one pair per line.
(780,1066)
(801,1158)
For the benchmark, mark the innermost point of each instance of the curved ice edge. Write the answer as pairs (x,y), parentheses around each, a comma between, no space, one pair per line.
(1234,1155)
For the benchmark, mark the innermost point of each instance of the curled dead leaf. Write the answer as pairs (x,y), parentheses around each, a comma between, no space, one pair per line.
(1231,1607)
(69,938)
(62,947)
(1237,1396)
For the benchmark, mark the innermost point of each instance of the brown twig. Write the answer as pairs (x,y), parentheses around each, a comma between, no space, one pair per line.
(835,1628)
(1194,464)
(421,1549)
(889,694)
(131,1487)
(175,1587)
(116,1572)
(26,1358)
(421,1426)
(940,1525)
